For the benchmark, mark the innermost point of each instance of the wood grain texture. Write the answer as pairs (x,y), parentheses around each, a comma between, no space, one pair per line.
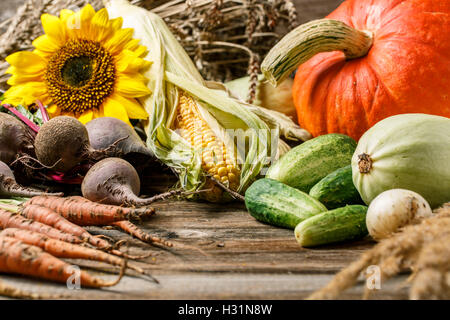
(245,259)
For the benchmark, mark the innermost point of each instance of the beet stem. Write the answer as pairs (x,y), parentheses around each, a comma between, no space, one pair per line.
(33,126)
(44,113)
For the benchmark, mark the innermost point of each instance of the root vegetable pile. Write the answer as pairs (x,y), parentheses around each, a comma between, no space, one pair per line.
(61,249)
(48,228)
(21,258)
(36,233)
(422,248)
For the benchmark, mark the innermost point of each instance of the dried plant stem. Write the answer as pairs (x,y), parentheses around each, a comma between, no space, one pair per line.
(422,248)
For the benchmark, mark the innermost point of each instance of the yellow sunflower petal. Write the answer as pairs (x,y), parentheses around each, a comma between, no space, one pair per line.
(131,87)
(100,28)
(113,108)
(117,42)
(86,116)
(53,110)
(79,23)
(116,23)
(11,70)
(27,93)
(133,108)
(45,44)
(64,14)
(54,28)
(141,51)
(132,45)
(129,62)
(28,61)
(99,112)
(17,78)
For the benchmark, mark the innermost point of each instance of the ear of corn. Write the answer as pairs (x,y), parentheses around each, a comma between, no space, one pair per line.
(195,127)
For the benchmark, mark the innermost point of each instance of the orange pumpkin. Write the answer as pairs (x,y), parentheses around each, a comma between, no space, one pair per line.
(403,65)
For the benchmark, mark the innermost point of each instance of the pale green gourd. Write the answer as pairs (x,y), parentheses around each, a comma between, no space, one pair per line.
(408,151)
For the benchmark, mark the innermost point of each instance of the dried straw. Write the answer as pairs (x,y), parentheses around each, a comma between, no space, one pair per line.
(423,249)
(225,38)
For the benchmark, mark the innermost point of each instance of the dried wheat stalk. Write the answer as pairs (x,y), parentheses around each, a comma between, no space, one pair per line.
(225,38)
(423,248)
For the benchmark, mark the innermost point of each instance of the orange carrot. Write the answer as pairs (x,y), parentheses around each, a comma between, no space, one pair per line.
(51,218)
(13,220)
(87,213)
(7,290)
(61,249)
(20,258)
(135,231)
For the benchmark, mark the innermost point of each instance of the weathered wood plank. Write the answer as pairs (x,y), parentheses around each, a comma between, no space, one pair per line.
(245,259)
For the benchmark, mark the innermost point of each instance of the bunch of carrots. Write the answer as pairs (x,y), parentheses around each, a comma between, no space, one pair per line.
(38,233)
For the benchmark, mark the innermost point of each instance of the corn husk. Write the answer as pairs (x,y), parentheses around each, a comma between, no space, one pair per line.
(172,72)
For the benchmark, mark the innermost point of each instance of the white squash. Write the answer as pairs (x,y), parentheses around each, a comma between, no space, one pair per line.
(408,151)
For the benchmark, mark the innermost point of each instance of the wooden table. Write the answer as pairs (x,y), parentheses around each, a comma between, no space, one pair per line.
(245,260)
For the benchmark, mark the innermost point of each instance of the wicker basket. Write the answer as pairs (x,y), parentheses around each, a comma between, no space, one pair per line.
(225,38)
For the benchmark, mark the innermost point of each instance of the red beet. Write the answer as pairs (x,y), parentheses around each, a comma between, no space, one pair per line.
(63,142)
(119,138)
(16,139)
(115,181)
(9,187)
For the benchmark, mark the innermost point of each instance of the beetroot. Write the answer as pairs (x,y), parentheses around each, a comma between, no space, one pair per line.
(105,132)
(16,139)
(115,181)
(63,142)
(9,187)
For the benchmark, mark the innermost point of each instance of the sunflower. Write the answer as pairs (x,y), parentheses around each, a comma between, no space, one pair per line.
(85,65)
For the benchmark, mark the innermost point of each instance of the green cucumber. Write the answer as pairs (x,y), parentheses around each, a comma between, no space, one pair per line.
(305,165)
(277,204)
(337,189)
(342,224)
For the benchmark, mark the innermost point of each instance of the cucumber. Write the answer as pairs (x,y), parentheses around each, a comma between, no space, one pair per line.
(305,165)
(342,224)
(277,204)
(337,189)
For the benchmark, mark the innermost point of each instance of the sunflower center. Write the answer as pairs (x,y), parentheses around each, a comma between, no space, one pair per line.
(80,76)
(77,71)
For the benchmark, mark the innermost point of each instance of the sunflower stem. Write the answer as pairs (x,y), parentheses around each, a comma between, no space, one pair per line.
(44,112)
(33,126)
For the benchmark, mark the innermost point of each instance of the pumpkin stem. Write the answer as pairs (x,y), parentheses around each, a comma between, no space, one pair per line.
(309,39)
(364,163)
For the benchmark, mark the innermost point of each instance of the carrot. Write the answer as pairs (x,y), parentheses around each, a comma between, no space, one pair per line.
(21,258)
(7,290)
(13,220)
(87,213)
(51,218)
(61,249)
(135,231)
